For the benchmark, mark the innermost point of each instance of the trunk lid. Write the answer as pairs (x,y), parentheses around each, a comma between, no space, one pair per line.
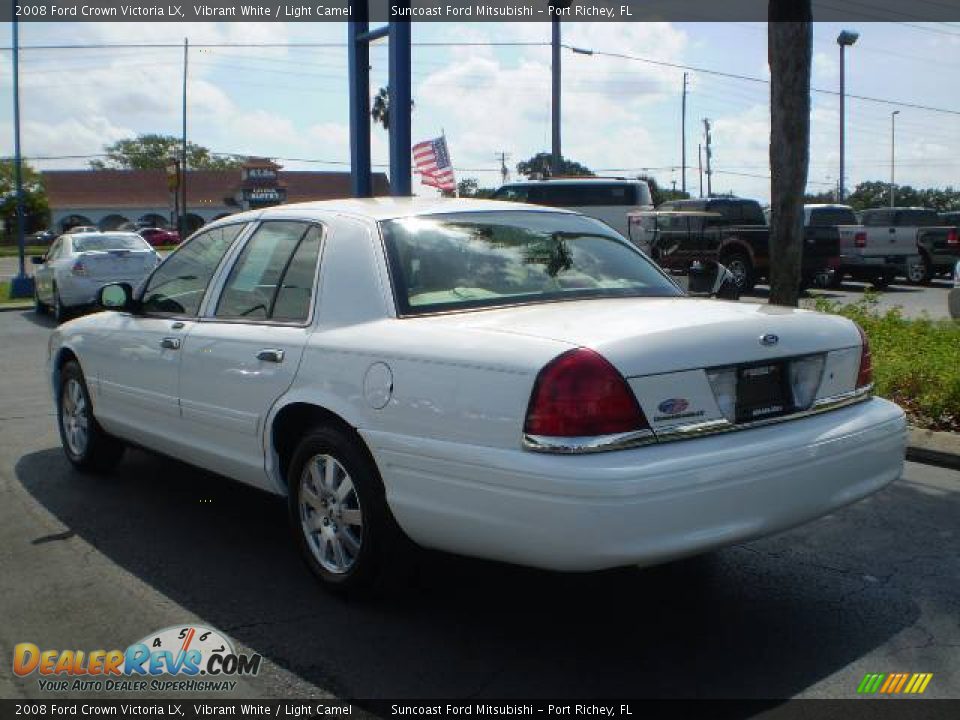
(647,336)
(118,265)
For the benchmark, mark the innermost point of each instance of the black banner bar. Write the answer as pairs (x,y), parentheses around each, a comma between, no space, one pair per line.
(190,709)
(466,10)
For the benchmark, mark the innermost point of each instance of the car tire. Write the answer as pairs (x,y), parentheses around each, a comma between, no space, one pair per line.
(920,274)
(61,313)
(88,447)
(38,305)
(338,511)
(880,282)
(740,265)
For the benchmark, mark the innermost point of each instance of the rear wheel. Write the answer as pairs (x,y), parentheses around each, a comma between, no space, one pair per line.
(61,313)
(738,263)
(881,281)
(920,273)
(38,305)
(338,511)
(87,446)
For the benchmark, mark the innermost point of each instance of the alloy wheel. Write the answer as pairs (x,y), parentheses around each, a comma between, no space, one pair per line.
(330,514)
(74,417)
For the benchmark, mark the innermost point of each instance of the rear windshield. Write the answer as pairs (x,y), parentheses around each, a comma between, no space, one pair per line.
(828,217)
(110,241)
(478,260)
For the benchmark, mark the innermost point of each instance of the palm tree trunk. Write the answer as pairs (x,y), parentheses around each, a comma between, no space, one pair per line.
(790,47)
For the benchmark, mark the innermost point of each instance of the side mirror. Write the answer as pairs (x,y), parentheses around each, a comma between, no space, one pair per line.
(116,296)
(37,259)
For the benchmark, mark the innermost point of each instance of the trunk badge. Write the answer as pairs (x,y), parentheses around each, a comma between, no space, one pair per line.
(769,339)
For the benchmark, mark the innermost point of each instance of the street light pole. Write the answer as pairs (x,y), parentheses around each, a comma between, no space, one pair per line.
(22,285)
(893,156)
(556,153)
(845,39)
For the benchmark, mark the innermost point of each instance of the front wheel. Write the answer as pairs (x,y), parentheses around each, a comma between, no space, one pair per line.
(338,510)
(38,306)
(87,446)
(741,268)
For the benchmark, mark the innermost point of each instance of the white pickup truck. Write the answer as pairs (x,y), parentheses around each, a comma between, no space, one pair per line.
(915,241)
(876,251)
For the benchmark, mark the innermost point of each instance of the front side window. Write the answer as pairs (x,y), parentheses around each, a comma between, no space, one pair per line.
(273,279)
(515,193)
(478,260)
(178,285)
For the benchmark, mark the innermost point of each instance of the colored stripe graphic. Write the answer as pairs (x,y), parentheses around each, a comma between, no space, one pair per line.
(894,683)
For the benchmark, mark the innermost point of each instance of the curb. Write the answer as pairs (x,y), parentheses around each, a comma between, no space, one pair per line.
(13,307)
(933,448)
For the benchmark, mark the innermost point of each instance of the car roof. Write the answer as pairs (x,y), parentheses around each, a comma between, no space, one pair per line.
(575,181)
(826,206)
(385,208)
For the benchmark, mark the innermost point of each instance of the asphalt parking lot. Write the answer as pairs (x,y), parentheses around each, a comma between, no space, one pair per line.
(101,562)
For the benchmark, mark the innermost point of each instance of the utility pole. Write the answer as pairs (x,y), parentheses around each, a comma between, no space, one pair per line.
(683,138)
(893,156)
(556,153)
(504,171)
(709,141)
(183,148)
(21,285)
(700,164)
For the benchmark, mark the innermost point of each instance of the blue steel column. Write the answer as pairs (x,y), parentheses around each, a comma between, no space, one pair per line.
(400,141)
(359,73)
(22,285)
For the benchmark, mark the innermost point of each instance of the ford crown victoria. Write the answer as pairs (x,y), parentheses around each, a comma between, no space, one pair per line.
(501,381)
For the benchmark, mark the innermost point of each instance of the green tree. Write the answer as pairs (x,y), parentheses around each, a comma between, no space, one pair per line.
(790,54)
(470,188)
(153,152)
(540,165)
(35,208)
(659,194)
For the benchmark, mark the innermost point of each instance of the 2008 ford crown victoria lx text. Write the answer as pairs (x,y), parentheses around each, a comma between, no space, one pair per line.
(511,383)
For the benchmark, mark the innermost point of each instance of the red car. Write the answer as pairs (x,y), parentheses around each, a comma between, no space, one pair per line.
(159,236)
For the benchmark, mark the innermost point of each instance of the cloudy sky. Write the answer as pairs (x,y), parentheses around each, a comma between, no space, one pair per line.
(490,95)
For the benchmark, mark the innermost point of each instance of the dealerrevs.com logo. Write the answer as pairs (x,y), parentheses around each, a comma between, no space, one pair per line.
(182,658)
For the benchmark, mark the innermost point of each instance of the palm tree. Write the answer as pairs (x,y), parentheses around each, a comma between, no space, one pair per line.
(789,50)
(380,110)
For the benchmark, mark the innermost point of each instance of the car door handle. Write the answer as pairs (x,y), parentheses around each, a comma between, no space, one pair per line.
(170,343)
(178,325)
(270,355)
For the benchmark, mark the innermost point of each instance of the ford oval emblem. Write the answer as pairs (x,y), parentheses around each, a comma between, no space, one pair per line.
(769,339)
(673,406)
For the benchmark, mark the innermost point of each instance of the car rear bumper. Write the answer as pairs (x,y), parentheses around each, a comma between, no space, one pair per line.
(878,263)
(83,291)
(640,506)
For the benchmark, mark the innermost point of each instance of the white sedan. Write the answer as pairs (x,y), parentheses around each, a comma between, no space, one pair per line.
(514,383)
(78,264)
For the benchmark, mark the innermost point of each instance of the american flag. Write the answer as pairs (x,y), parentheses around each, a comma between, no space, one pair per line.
(432,160)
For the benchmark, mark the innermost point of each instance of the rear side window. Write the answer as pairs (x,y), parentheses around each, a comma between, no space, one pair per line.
(273,277)
(919,218)
(829,217)
(731,212)
(512,193)
(178,285)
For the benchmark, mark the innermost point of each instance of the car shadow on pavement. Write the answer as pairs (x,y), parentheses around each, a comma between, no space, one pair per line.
(767,619)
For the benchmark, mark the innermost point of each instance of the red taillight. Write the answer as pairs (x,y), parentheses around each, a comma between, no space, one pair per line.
(865,374)
(580,394)
(952,237)
(79,268)
(860,239)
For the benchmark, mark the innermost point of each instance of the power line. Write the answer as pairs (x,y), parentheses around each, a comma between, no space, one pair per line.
(764,81)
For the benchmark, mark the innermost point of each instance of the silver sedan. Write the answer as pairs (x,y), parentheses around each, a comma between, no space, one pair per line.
(79,264)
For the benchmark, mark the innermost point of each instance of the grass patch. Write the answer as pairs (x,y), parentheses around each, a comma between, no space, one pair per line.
(13,251)
(5,298)
(916,363)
